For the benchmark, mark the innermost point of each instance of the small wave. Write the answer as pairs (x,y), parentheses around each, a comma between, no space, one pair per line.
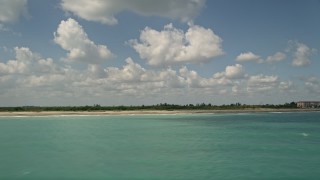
(243,113)
(16,116)
(304,134)
(26,172)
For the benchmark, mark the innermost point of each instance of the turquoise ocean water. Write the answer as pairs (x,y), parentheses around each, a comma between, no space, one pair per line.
(201,146)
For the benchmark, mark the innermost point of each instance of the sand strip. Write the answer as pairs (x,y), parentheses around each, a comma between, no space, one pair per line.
(146,112)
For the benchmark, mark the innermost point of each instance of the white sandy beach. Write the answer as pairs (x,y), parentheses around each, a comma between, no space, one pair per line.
(146,112)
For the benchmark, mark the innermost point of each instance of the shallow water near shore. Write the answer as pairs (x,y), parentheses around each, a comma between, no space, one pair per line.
(193,146)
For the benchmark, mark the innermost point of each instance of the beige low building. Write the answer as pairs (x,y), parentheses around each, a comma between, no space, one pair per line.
(308,104)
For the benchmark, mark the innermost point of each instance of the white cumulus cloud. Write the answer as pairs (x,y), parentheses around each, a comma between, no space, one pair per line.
(3,28)
(27,62)
(302,54)
(130,72)
(172,45)
(103,11)
(24,57)
(11,10)
(286,86)
(235,71)
(248,56)
(71,37)
(313,85)
(232,75)
(277,57)
(135,75)
(29,77)
(258,83)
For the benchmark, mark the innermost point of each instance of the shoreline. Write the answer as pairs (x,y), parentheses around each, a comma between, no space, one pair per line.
(147,112)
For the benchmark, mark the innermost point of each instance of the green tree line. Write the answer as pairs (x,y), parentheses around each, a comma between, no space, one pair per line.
(161,106)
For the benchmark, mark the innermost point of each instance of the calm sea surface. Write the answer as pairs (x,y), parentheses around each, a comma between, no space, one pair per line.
(202,146)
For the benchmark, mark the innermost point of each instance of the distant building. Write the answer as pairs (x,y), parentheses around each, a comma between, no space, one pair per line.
(308,104)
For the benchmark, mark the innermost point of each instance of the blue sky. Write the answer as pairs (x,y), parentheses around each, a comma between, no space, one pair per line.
(133,52)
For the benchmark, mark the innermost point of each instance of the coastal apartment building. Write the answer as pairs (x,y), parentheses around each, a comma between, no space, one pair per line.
(308,104)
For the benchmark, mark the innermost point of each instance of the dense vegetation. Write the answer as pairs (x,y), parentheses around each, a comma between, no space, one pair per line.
(162,106)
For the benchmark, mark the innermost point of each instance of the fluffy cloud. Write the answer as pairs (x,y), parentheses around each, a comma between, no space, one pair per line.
(30,77)
(133,73)
(313,85)
(172,45)
(27,62)
(248,56)
(24,57)
(277,57)
(301,55)
(11,10)
(286,86)
(231,72)
(71,37)
(130,72)
(103,11)
(193,79)
(235,71)
(3,28)
(224,79)
(261,82)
